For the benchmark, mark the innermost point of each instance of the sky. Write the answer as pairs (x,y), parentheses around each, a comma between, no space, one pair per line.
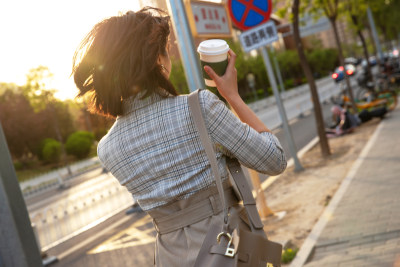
(47,32)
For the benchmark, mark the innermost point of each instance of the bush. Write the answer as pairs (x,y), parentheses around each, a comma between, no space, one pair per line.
(51,151)
(288,255)
(18,165)
(79,144)
(322,61)
(177,77)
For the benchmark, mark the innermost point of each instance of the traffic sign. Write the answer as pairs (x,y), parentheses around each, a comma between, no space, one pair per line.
(246,14)
(259,36)
(208,20)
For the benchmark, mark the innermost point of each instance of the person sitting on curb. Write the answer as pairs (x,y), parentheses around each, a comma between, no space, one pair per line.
(345,122)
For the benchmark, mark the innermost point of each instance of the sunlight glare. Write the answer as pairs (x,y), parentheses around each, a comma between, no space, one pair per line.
(47,33)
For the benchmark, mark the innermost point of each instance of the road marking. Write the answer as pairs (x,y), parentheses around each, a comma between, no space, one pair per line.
(129,237)
(90,239)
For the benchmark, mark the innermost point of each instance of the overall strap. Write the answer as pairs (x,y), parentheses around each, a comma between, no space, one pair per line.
(233,166)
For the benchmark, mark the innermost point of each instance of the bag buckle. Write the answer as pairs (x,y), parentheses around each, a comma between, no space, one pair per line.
(230,252)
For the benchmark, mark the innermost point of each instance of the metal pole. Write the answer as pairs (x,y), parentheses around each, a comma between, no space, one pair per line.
(186,45)
(282,112)
(375,34)
(18,246)
(278,70)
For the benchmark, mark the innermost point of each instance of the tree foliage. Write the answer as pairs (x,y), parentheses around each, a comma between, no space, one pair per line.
(51,151)
(177,77)
(19,122)
(386,16)
(79,144)
(31,113)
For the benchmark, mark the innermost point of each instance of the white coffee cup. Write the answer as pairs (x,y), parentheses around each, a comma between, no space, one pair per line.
(214,53)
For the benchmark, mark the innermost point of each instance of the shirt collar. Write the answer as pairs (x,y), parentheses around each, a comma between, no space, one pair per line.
(137,102)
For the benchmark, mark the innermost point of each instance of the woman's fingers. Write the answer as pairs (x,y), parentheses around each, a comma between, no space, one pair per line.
(211,73)
(232,59)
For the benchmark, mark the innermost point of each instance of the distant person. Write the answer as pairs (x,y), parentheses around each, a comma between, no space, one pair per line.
(153,148)
(344,122)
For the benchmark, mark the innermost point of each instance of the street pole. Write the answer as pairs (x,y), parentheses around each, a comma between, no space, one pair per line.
(186,45)
(278,70)
(18,246)
(282,112)
(375,34)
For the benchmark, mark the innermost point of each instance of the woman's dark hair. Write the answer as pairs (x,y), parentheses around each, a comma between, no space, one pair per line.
(118,59)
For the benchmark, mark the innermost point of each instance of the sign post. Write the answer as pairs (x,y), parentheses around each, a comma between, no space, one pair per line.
(252,17)
(186,45)
(259,37)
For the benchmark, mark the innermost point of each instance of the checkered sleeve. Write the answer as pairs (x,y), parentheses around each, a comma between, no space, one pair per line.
(259,151)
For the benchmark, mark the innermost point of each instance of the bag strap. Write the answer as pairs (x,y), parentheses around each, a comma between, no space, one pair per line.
(233,166)
(197,116)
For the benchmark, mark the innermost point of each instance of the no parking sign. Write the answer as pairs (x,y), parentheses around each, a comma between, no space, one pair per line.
(246,14)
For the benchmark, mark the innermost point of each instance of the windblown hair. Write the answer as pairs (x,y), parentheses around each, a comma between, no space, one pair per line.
(118,59)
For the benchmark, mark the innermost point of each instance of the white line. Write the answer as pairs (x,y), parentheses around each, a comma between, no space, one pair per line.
(312,238)
(92,238)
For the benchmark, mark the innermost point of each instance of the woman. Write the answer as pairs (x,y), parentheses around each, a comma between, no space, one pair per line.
(153,148)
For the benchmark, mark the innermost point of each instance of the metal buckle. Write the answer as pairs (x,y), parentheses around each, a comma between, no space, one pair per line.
(230,252)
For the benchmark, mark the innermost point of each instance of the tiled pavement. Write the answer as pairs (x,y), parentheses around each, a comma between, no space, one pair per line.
(364,228)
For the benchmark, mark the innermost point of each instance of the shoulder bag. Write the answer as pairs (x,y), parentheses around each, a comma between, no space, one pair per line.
(230,243)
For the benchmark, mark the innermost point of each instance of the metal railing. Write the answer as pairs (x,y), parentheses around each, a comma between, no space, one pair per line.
(75,214)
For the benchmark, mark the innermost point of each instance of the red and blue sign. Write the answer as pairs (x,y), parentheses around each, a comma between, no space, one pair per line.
(246,14)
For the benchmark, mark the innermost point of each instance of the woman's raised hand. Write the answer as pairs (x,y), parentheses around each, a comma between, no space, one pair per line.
(227,83)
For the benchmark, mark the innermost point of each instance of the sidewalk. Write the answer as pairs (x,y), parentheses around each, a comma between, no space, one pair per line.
(361,224)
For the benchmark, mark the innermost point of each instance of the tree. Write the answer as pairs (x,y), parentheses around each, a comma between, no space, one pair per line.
(386,17)
(331,10)
(19,123)
(43,101)
(310,78)
(296,10)
(357,17)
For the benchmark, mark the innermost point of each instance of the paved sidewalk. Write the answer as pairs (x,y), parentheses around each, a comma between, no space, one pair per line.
(361,225)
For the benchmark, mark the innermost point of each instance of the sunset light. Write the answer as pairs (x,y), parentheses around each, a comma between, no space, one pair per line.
(47,33)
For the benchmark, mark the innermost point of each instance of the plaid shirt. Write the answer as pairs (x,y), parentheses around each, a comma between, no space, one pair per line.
(155,151)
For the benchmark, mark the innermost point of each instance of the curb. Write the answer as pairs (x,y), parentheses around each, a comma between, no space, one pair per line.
(300,154)
(308,246)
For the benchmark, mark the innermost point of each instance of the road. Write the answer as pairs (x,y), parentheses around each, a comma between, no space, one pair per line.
(82,228)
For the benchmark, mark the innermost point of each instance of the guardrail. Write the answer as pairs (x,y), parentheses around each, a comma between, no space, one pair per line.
(61,221)
(57,177)
(302,89)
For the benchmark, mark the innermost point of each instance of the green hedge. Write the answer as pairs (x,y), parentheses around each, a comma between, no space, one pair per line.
(79,144)
(51,150)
